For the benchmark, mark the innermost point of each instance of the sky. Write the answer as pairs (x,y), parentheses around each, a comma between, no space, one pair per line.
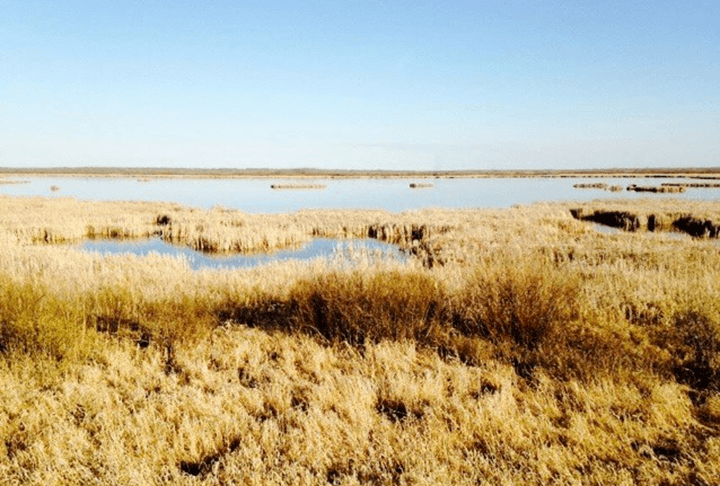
(442,85)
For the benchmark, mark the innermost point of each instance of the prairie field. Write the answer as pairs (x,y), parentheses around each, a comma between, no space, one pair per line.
(517,346)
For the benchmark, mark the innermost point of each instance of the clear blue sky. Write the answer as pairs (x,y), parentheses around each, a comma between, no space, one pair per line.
(360,84)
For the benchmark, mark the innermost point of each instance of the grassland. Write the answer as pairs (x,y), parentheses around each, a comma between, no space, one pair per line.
(520,346)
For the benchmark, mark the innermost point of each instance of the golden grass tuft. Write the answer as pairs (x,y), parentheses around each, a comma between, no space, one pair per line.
(360,306)
(33,321)
(522,301)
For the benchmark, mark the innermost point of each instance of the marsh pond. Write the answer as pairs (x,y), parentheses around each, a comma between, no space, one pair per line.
(256,195)
(278,195)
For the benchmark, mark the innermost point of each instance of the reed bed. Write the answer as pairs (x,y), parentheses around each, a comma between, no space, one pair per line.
(298,186)
(219,230)
(599,185)
(692,184)
(12,181)
(519,346)
(591,185)
(697,220)
(661,188)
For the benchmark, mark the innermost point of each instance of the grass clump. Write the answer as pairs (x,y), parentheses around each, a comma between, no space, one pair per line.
(693,343)
(526,303)
(358,307)
(35,322)
(526,312)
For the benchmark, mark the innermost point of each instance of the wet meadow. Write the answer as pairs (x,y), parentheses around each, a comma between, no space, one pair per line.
(509,345)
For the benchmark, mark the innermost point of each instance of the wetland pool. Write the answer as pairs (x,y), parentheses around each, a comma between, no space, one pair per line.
(255,195)
(344,250)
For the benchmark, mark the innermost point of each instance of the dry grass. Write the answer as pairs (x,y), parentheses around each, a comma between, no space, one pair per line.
(662,188)
(219,230)
(522,347)
(298,186)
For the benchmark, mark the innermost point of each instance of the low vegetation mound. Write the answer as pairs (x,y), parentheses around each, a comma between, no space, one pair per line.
(661,189)
(696,226)
(298,186)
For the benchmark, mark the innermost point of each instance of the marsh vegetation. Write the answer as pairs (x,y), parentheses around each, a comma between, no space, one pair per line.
(662,188)
(297,186)
(598,185)
(517,346)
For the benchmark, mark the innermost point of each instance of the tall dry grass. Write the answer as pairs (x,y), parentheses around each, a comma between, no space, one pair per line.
(219,230)
(533,350)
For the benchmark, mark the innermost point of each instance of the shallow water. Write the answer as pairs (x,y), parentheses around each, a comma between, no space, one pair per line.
(326,248)
(256,195)
(654,236)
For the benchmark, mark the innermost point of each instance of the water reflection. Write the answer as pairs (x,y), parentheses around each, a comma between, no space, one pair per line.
(343,250)
(606,230)
(654,235)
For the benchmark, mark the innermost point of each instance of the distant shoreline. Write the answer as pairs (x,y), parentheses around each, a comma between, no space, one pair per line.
(685,172)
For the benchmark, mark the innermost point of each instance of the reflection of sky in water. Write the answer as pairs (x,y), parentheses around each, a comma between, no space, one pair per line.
(256,196)
(317,248)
